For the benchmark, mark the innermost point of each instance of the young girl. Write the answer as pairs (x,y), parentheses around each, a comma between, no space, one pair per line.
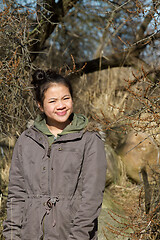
(58,170)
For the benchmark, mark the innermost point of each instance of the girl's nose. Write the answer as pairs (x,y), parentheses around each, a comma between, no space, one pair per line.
(60,105)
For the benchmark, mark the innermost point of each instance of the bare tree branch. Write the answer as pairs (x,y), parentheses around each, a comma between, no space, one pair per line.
(140,45)
(148,18)
(126,59)
(52,14)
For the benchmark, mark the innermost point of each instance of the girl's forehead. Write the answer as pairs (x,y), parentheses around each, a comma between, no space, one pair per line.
(57,85)
(57,89)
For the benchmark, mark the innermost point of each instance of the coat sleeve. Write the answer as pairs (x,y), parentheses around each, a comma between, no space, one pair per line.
(94,178)
(16,198)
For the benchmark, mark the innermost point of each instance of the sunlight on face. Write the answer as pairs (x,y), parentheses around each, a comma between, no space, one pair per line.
(57,105)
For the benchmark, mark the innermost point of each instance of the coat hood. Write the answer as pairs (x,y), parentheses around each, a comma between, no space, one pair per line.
(78,123)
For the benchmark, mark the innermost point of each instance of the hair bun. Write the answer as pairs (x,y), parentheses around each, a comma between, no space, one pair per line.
(39,77)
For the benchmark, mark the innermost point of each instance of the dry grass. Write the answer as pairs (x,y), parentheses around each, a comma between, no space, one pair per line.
(131,198)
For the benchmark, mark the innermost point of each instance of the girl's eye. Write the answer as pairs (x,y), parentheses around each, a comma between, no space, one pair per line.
(66,98)
(53,101)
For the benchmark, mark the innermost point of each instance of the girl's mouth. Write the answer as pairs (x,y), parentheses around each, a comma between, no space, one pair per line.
(61,113)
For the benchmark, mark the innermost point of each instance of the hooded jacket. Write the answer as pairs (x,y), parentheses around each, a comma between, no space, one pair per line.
(56,186)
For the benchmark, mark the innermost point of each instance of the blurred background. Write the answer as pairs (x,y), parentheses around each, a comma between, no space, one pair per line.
(110,52)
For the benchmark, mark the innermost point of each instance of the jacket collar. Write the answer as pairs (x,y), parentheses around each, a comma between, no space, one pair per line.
(41,138)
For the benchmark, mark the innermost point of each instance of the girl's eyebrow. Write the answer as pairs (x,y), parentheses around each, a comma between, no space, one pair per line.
(54,98)
(67,95)
(51,99)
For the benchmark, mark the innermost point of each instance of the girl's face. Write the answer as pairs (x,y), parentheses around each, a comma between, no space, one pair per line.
(57,105)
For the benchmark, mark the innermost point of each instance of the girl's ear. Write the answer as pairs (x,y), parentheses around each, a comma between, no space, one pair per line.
(40,106)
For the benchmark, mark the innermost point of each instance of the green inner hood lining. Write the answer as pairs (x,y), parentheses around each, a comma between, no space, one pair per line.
(78,123)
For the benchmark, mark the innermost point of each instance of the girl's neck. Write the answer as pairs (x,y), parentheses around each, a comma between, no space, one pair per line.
(54,131)
(57,128)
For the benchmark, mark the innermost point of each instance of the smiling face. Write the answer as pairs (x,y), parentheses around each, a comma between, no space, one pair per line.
(57,105)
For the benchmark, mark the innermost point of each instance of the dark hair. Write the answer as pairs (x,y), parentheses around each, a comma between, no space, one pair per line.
(42,81)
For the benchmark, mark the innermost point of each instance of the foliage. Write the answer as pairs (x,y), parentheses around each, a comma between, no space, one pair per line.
(16,106)
(46,34)
(137,224)
(99,35)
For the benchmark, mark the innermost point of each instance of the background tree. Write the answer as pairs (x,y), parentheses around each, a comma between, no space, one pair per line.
(99,34)
(81,38)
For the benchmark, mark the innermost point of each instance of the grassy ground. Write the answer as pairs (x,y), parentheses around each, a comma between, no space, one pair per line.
(2,215)
(123,214)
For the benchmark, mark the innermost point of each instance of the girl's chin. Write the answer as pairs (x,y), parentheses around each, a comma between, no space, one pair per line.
(61,119)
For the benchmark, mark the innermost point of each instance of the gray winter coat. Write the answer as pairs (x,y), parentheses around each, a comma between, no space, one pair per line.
(55,193)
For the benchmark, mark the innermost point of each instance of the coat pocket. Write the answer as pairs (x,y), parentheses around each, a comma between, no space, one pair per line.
(64,218)
(75,205)
(70,160)
(30,222)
